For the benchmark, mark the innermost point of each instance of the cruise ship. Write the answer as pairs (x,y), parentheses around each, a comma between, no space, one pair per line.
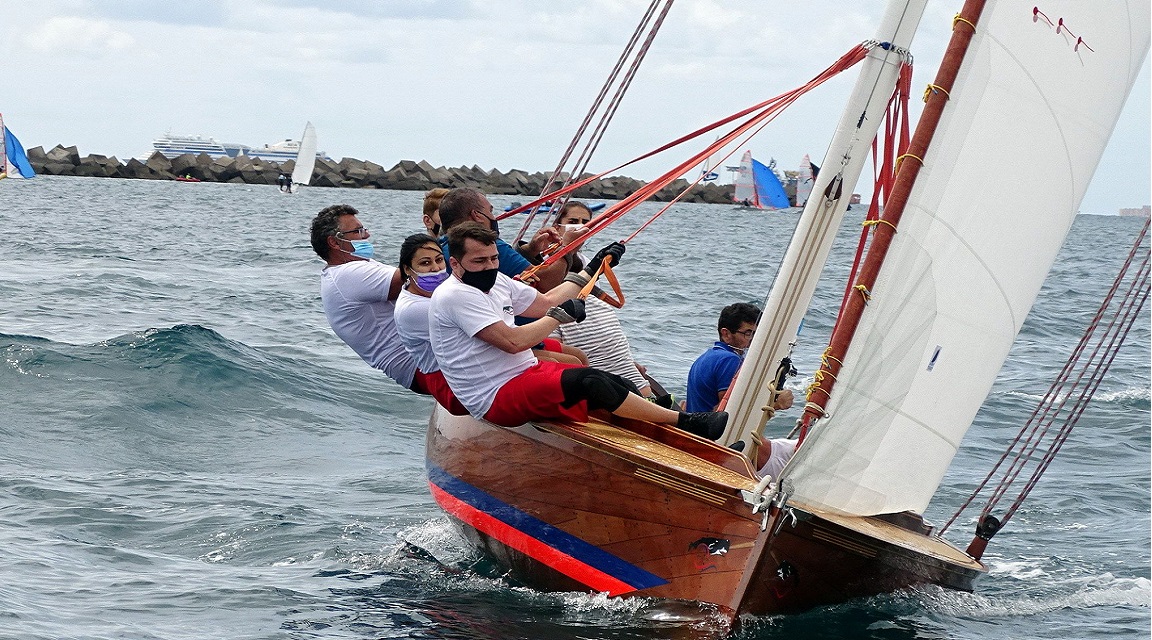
(171,145)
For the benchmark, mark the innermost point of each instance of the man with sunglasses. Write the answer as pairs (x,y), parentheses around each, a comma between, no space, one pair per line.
(712,373)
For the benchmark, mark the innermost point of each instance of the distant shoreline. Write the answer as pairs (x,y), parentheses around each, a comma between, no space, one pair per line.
(349,173)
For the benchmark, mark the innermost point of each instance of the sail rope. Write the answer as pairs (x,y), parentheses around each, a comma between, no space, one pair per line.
(755,118)
(1050,423)
(598,133)
(885,161)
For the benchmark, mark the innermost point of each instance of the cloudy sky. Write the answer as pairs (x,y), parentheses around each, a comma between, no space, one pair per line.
(498,83)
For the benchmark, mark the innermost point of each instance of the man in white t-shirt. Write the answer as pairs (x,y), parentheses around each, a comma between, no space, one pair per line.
(359,293)
(487,359)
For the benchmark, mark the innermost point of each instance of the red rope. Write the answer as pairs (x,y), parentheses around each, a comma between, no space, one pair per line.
(896,140)
(757,116)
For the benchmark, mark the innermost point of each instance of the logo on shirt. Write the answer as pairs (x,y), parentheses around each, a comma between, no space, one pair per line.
(509,310)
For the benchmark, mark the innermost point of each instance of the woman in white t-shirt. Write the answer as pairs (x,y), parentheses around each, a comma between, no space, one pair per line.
(422,264)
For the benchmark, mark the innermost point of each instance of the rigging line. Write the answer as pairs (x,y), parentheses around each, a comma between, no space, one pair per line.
(1045,403)
(1133,301)
(775,106)
(1086,395)
(651,189)
(1062,382)
(614,105)
(850,58)
(599,101)
(884,169)
(1040,417)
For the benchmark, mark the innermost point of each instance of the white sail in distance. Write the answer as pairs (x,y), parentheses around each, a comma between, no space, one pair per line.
(804,182)
(804,260)
(976,240)
(305,158)
(745,188)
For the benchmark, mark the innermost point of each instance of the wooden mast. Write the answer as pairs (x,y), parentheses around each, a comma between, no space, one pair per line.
(963,28)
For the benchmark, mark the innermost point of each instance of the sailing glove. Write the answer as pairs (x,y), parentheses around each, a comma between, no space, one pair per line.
(568,312)
(616,250)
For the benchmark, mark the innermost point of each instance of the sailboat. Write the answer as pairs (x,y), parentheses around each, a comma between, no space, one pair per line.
(14,161)
(305,159)
(758,186)
(635,509)
(804,182)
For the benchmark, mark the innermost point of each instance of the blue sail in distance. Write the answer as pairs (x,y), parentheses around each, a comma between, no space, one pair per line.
(768,187)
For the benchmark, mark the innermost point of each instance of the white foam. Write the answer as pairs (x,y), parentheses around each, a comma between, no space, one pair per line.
(1097,591)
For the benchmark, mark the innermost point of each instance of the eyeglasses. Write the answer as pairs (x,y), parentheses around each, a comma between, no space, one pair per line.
(360,231)
(747,333)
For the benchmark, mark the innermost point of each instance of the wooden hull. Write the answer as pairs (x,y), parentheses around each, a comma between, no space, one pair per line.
(652,511)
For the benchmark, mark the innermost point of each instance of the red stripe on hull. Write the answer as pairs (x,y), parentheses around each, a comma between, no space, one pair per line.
(524,543)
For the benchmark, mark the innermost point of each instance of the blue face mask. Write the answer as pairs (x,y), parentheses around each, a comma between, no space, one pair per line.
(362,248)
(429,281)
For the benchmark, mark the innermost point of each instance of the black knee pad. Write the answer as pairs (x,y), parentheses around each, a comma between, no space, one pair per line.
(602,390)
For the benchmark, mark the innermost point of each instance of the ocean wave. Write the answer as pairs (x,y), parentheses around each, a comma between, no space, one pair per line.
(1105,590)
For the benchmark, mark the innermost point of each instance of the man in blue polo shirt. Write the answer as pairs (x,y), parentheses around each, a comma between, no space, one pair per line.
(712,373)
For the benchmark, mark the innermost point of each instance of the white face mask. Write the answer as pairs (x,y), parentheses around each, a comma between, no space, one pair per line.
(571,227)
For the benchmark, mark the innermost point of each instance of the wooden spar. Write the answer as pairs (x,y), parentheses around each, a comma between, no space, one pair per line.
(963,29)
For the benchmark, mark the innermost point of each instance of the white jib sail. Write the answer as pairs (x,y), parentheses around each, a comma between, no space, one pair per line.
(974,245)
(745,183)
(816,230)
(305,158)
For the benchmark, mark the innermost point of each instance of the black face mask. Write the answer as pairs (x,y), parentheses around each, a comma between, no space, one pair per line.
(436,230)
(495,226)
(482,280)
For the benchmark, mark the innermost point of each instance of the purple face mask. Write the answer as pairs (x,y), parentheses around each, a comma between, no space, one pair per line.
(429,281)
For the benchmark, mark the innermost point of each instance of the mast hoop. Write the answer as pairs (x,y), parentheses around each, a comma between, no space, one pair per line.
(959,18)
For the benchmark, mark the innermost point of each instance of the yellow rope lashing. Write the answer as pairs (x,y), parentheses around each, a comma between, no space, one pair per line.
(959,18)
(908,155)
(933,88)
(873,223)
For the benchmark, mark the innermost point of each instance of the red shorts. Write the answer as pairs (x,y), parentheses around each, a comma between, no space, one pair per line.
(535,394)
(435,385)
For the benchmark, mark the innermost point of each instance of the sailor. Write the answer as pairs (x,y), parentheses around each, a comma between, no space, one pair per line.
(465,204)
(600,335)
(285,182)
(432,211)
(487,359)
(358,294)
(422,265)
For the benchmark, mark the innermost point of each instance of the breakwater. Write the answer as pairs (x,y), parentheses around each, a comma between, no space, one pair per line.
(348,173)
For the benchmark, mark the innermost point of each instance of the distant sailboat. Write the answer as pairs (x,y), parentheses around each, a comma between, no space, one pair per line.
(14,162)
(804,181)
(757,185)
(305,159)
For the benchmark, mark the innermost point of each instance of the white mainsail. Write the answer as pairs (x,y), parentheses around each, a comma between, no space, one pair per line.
(976,240)
(745,191)
(816,230)
(305,158)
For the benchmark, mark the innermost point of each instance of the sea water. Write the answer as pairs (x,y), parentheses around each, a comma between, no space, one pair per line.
(189,452)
